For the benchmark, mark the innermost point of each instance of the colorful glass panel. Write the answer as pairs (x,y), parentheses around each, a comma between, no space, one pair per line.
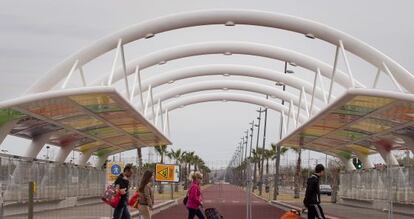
(400,113)
(362,105)
(82,122)
(97,103)
(90,146)
(118,140)
(118,118)
(372,125)
(346,135)
(105,132)
(57,108)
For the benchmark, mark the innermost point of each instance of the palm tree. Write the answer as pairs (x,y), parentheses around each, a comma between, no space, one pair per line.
(162,151)
(177,156)
(188,158)
(283,150)
(256,160)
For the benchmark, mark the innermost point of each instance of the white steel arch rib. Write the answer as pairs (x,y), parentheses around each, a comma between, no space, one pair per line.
(238,70)
(230,85)
(232,16)
(236,47)
(227,96)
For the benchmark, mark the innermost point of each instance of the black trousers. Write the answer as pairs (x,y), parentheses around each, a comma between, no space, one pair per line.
(193,212)
(121,211)
(315,211)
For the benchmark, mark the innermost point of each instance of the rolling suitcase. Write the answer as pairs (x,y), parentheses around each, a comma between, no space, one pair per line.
(212,213)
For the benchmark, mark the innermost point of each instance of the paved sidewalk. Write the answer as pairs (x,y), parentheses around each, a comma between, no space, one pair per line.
(230,202)
(348,212)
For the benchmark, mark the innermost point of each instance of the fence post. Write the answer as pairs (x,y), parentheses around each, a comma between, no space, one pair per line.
(30,201)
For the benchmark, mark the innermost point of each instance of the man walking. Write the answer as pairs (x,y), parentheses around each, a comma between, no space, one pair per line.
(122,185)
(312,196)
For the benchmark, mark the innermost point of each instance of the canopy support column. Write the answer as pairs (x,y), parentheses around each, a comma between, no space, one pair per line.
(84,157)
(64,153)
(349,166)
(388,157)
(37,144)
(102,159)
(6,128)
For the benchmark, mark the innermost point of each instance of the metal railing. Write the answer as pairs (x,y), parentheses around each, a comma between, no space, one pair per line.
(379,184)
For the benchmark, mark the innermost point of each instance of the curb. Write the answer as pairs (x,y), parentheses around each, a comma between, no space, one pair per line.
(289,206)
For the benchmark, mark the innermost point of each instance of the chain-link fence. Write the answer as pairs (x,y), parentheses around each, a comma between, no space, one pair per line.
(374,184)
(60,190)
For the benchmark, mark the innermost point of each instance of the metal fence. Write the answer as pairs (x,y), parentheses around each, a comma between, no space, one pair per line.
(57,186)
(379,184)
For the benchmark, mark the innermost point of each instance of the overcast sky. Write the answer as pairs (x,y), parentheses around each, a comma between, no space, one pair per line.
(36,35)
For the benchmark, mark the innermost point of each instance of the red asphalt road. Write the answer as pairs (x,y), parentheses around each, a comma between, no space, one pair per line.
(230,202)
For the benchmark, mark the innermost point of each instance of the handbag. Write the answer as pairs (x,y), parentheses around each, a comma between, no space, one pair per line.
(133,200)
(185,200)
(111,197)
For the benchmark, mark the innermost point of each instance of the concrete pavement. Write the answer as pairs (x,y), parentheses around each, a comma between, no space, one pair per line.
(230,202)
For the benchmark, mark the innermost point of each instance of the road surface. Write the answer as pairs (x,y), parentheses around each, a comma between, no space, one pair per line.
(230,202)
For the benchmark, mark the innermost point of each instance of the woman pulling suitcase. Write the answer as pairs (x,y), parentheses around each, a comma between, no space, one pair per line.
(194,197)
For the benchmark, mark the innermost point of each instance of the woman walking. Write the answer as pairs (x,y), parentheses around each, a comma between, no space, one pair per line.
(194,202)
(146,196)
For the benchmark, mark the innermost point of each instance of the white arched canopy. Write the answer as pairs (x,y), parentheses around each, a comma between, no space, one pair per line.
(230,17)
(273,92)
(227,96)
(237,70)
(229,47)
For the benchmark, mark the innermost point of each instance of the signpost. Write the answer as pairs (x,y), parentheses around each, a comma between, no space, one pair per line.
(113,170)
(167,173)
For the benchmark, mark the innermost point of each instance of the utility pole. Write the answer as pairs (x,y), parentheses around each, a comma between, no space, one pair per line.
(251,137)
(278,149)
(263,151)
(246,143)
(257,148)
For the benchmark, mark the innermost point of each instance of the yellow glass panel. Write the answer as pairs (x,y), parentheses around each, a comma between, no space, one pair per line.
(369,102)
(105,132)
(118,118)
(81,122)
(372,125)
(89,146)
(317,130)
(120,140)
(360,149)
(92,99)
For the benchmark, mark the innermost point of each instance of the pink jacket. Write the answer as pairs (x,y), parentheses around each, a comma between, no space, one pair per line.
(194,196)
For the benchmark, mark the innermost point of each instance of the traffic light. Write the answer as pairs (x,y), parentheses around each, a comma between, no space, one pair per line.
(357,163)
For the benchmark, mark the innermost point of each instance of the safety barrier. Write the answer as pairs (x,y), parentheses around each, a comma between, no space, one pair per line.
(374,184)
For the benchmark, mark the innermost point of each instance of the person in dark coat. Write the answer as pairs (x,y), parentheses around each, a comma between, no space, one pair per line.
(312,196)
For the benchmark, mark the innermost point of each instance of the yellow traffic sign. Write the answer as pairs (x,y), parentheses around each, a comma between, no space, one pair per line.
(167,173)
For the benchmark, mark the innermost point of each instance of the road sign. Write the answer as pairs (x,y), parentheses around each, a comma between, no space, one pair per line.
(113,169)
(167,173)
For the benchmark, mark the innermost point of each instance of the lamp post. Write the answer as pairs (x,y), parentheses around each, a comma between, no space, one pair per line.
(251,137)
(263,150)
(278,147)
(259,118)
